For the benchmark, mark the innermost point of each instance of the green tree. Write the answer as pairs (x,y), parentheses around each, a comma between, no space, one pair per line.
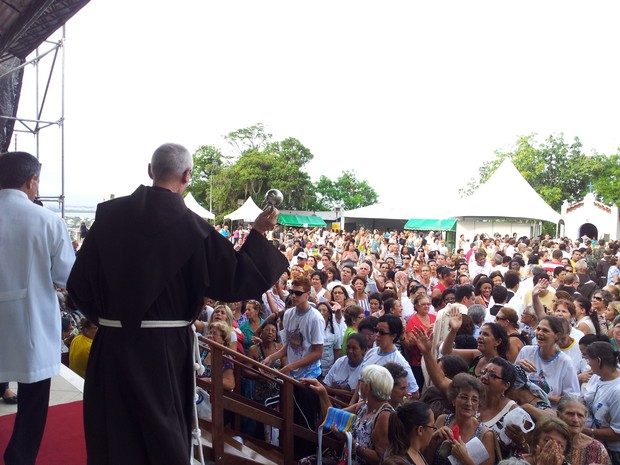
(251,138)
(347,192)
(287,173)
(556,169)
(606,182)
(208,163)
(261,164)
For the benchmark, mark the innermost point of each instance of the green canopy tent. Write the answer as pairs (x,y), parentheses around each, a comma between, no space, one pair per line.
(447,225)
(301,221)
(418,224)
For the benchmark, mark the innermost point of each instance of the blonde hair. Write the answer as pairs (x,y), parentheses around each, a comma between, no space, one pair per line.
(227,310)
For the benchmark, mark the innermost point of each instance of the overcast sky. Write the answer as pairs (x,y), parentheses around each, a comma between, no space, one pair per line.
(413,96)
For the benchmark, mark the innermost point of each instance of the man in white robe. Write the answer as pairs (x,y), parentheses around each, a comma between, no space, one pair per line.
(36,252)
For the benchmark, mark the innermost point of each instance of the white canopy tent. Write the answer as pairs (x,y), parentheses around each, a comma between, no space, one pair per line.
(506,194)
(505,204)
(193,205)
(246,212)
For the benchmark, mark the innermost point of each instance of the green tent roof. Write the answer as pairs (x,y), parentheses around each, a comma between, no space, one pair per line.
(448,224)
(301,221)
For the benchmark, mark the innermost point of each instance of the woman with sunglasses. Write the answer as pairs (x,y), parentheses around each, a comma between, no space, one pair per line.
(492,342)
(466,393)
(410,429)
(389,330)
(600,301)
(389,285)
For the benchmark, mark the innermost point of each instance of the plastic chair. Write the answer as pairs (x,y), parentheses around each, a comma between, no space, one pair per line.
(342,421)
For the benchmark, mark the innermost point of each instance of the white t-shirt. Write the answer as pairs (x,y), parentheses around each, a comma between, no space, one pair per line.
(373,357)
(348,287)
(576,334)
(342,375)
(603,399)
(301,332)
(586,320)
(408,309)
(575,355)
(558,376)
(341,327)
(331,341)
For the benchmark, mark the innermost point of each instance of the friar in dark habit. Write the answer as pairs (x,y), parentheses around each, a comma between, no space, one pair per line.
(141,275)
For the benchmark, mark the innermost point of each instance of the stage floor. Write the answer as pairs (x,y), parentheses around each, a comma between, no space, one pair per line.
(66,387)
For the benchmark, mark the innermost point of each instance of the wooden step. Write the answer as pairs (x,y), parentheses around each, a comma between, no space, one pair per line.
(236,453)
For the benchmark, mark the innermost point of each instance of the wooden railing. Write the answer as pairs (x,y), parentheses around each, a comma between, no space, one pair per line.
(235,402)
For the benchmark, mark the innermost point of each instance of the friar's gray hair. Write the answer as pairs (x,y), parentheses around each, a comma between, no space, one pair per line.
(170,161)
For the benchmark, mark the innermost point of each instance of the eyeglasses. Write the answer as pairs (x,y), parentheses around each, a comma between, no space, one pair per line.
(464,398)
(600,299)
(433,427)
(383,333)
(501,318)
(490,374)
(390,288)
(298,293)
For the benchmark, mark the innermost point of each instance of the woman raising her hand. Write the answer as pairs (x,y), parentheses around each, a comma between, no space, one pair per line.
(492,342)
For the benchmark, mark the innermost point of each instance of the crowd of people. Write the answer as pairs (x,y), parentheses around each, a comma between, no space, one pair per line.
(501,328)
(504,348)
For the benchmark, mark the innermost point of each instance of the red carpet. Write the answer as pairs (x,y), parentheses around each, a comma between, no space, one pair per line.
(63,440)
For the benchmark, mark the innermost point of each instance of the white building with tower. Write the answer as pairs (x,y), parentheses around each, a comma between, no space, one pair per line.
(590,218)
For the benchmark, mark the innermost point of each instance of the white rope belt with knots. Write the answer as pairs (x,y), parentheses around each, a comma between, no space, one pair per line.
(196,361)
(147,323)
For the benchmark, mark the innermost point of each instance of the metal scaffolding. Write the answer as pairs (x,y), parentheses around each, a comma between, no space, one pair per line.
(50,53)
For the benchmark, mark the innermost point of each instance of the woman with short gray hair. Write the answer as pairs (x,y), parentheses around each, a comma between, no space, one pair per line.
(370,431)
(585,449)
